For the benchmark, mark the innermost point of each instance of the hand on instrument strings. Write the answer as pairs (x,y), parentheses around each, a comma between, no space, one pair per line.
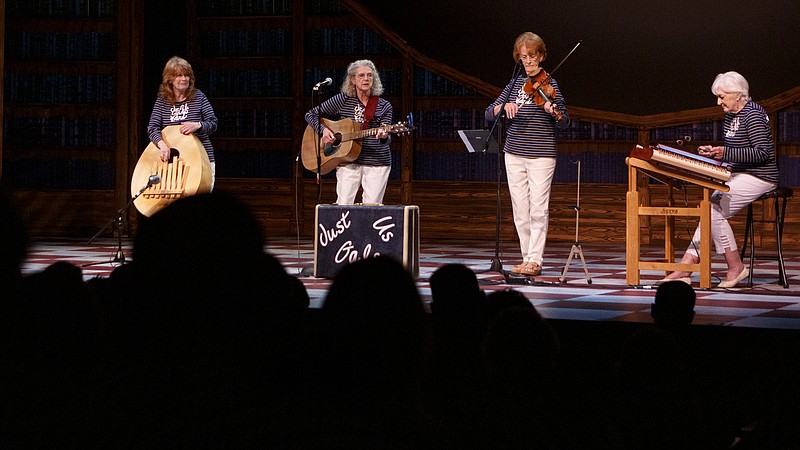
(710,151)
(190,127)
(381,133)
(327,136)
(163,151)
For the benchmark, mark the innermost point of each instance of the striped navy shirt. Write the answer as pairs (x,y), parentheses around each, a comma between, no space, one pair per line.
(532,132)
(374,152)
(197,110)
(748,143)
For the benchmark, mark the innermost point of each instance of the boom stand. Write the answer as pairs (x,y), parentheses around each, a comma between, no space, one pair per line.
(497,263)
(308,271)
(119,256)
(576,247)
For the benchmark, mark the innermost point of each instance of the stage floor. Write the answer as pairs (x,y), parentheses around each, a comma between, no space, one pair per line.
(606,298)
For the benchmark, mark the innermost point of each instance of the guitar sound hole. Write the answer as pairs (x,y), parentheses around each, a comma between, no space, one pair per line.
(333,147)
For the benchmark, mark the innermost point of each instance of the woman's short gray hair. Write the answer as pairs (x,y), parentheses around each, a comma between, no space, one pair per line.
(731,82)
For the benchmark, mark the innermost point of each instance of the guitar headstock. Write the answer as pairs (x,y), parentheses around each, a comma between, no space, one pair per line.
(400,128)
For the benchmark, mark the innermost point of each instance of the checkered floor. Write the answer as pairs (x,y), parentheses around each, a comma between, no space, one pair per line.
(603,295)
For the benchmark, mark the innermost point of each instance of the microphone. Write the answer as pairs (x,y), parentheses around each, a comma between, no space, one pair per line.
(326,82)
(154,179)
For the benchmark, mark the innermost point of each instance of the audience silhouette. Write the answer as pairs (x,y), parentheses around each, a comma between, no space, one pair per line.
(528,405)
(203,340)
(454,387)
(370,350)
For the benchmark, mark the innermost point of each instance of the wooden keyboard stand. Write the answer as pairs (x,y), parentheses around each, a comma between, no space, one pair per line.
(633,263)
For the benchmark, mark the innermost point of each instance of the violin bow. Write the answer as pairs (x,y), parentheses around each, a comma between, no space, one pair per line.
(565,58)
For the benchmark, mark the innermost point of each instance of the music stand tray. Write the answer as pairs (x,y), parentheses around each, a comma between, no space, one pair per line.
(475,141)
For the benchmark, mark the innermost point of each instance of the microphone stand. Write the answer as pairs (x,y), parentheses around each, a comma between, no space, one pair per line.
(497,264)
(319,143)
(119,256)
(308,271)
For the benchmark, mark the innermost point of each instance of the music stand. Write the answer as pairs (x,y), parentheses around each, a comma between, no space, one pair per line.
(475,141)
(483,141)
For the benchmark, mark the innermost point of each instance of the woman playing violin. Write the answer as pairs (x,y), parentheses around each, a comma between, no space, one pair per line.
(535,110)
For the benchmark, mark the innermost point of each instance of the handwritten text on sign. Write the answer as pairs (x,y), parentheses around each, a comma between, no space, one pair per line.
(348,250)
(346,234)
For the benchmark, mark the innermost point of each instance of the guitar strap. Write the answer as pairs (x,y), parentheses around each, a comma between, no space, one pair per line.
(369,112)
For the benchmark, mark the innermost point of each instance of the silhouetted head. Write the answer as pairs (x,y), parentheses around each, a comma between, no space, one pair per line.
(498,301)
(454,290)
(674,304)
(520,346)
(208,239)
(373,323)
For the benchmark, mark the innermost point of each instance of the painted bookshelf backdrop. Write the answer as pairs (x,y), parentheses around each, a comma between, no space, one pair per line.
(59,91)
(257,61)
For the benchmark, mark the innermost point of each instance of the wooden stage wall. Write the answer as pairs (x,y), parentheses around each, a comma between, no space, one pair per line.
(448,210)
(467,210)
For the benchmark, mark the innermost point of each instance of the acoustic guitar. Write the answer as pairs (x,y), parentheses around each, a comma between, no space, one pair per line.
(345,148)
(187,173)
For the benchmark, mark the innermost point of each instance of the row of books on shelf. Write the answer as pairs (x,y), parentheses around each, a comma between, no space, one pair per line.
(579,130)
(61,8)
(427,83)
(92,46)
(391,79)
(254,123)
(248,162)
(246,83)
(706,131)
(277,82)
(323,7)
(789,126)
(266,7)
(59,173)
(464,166)
(244,8)
(60,88)
(272,42)
(444,124)
(346,41)
(51,131)
(448,166)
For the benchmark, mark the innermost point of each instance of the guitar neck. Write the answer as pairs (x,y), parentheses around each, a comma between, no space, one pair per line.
(360,134)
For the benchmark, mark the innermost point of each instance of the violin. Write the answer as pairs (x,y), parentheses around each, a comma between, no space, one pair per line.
(539,87)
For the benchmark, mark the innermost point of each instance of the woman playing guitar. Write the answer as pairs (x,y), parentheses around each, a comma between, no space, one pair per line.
(359,100)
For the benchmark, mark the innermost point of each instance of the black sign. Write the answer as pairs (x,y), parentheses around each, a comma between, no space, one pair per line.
(345,234)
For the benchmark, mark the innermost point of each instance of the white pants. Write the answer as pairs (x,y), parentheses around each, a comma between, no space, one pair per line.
(744,189)
(213,175)
(529,182)
(372,179)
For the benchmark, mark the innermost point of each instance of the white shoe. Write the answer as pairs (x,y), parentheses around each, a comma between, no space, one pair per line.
(729,284)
